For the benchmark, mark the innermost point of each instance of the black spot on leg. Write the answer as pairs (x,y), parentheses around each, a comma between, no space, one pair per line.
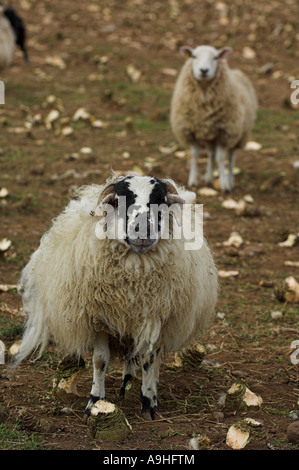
(127,378)
(146,404)
(152,358)
(146,366)
(147,408)
(94,398)
(103,366)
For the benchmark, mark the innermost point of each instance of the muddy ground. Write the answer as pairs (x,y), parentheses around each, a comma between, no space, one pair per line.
(80,53)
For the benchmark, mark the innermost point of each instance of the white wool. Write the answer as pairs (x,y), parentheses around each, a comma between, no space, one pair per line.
(212,106)
(7,42)
(76,285)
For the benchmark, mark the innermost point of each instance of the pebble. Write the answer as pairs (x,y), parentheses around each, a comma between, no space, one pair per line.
(276,315)
(239,373)
(218,416)
(293,415)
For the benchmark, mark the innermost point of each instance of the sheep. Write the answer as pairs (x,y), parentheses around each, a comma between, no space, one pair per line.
(88,289)
(12,33)
(212,106)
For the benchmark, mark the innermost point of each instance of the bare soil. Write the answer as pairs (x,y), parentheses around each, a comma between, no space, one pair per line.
(79,57)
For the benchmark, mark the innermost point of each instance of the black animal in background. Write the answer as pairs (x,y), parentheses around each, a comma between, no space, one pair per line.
(12,34)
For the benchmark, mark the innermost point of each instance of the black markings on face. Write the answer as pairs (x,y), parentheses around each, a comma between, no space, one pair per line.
(159,193)
(122,188)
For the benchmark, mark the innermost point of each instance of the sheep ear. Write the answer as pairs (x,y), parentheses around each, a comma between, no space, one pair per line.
(176,206)
(175,201)
(186,51)
(224,53)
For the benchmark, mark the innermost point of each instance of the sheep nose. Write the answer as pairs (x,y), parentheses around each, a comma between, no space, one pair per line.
(143,228)
(204,71)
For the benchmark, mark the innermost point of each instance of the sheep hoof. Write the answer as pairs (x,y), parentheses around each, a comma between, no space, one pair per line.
(150,414)
(147,416)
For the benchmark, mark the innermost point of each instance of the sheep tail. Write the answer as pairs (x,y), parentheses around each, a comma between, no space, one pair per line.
(35,338)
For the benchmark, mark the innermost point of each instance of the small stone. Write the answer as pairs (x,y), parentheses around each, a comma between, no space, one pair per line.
(239,373)
(220,315)
(276,315)
(218,416)
(199,442)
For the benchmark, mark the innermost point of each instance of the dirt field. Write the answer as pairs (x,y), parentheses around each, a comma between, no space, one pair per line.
(80,53)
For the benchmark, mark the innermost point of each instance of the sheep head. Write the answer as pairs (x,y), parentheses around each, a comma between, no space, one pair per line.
(136,210)
(205,60)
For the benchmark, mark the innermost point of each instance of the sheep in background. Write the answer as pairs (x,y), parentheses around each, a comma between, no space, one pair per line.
(12,33)
(212,106)
(144,295)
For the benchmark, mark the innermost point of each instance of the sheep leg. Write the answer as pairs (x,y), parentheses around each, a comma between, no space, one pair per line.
(220,155)
(129,372)
(101,355)
(231,159)
(193,174)
(208,177)
(150,364)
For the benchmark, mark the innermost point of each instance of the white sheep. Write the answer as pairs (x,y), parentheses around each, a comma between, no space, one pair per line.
(212,106)
(12,33)
(145,295)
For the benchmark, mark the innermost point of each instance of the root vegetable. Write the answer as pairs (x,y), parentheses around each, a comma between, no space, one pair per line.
(67,373)
(293,432)
(287,290)
(243,433)
(192,356)
(239,397)
(107,422)
(34,423)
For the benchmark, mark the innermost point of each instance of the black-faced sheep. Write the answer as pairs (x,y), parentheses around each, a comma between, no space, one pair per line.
(12,33)
(212,106)
(105,274)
